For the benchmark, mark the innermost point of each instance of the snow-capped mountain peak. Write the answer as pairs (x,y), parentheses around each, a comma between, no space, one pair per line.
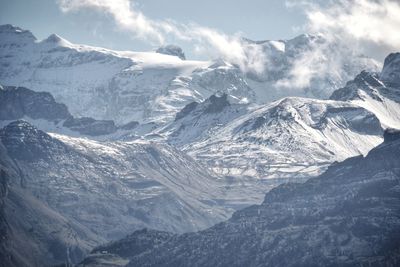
(152,87)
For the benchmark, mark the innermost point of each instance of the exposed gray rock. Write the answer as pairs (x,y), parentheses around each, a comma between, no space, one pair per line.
(31,233)
(129,126)
(17,102)
(348,216)
(126,248)
(186,110)
(216,104)
(366,82)
(25,142)
(391,135)
(114,188)
(391,69)
(90,126)
(172,50)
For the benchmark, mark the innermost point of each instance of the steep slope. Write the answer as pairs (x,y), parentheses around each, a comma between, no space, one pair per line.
(40,107)
(124,86)
(347,216)
(92,82)
(379,93)
(115,188)
(15,103)
(293,135)
(118,253)
(197,121)
(33,234)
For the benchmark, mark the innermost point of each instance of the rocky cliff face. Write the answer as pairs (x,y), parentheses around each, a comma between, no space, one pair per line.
(31,232)
(17,102)
(391,70)
(112,187)
(347,216)
(376,92)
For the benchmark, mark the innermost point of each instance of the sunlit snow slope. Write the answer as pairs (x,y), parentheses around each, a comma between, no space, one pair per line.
(130,86)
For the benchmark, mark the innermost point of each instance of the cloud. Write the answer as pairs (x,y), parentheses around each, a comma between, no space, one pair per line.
(128,18)
(349,28)
(376,21)
(124,14)
(367,26)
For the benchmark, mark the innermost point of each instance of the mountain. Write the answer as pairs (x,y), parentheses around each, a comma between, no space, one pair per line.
(377,92)
(347,216)
(18,102)
(41,108)
(306,66)
(115,187)
(292,135)
(126,86)
(32,233)
(96,144)
(118,253)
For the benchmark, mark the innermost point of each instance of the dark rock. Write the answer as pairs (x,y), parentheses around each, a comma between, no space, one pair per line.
(90,126)
(17,102)
(186,110)
(25,142)
(391,135)
(365,81)
(171,50)
(391,70)
(130,125)
(347,216)
(216,104)
(135,243)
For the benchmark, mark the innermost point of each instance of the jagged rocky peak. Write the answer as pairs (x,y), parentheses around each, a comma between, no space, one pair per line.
(214,104)
(391,69)
(18,102)
(391,135)
(13,35)
(172,50)
(365,81)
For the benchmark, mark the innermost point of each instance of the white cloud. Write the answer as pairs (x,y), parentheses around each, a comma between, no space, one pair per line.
(130,19)
(376,21)
(367,26)
(349,27)
(124,14)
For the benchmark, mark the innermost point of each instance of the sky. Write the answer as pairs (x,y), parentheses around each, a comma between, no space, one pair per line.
(212,28)
(255,19)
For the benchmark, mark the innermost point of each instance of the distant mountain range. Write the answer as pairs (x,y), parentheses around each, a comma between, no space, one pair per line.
(347,216)
(96,144)
(128,86)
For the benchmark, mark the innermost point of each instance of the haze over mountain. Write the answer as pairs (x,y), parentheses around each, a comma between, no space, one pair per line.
(128,86)
(96,145)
